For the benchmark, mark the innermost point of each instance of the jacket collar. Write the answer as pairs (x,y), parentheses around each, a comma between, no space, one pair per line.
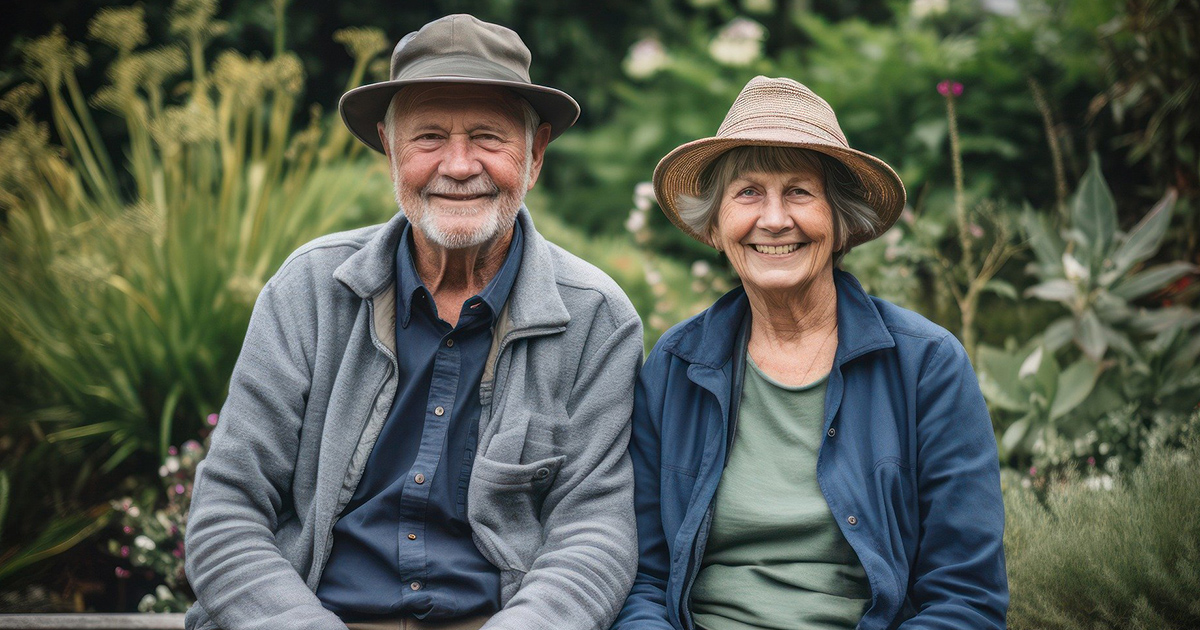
(533,303)
(709,339)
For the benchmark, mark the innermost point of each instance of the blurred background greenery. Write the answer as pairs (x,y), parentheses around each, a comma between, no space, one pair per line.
(159,161)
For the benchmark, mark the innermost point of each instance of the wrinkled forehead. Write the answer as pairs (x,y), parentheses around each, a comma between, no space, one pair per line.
(422,103)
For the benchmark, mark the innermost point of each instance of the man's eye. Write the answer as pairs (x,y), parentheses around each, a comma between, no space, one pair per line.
(427,137)
(487,139)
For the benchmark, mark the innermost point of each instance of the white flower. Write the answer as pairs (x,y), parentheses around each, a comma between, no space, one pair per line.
(172,464)
(701,269)
(739,43)
(147,603)
(143,542)
(636,221)
(163,472)
(653,277)
(645,58)
(1099,482)
(924,8)
(134,511)
(643,194)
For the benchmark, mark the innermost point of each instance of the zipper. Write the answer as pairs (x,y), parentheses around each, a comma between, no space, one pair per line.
(393,366)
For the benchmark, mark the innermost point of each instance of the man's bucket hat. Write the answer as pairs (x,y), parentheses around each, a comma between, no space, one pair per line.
(777,113)
(456,49)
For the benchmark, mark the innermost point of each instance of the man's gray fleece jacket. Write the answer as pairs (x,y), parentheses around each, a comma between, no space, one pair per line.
(550,500)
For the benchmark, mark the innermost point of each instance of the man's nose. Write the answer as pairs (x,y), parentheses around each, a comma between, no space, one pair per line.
(459,161)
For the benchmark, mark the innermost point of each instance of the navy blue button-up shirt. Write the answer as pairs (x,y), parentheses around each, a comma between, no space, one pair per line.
(403,544)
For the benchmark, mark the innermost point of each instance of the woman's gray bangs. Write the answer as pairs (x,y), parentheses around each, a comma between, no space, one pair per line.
(846,196)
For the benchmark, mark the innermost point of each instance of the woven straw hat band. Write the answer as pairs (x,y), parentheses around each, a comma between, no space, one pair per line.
(778,113)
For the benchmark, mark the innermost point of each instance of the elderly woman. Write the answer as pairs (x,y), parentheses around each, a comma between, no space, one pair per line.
(806,455)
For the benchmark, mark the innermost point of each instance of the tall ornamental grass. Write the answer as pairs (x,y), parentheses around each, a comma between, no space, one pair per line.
(127,279)
(1103,555)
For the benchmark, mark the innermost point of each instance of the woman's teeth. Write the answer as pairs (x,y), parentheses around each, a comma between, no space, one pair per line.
(776,249)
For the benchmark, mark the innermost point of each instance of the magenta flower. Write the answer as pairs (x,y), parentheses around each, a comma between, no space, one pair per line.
(171,450)
(1032,471)
(946,88)
(127,529)
(122,573)
(177,553)
(179,488)
(1091,461)
(124,551)
(212,419)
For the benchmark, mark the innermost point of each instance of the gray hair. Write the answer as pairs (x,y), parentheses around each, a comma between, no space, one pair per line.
(403,98)
(846,196)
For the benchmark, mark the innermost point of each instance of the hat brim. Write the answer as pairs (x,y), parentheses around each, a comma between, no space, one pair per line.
(679,173)
(364,107)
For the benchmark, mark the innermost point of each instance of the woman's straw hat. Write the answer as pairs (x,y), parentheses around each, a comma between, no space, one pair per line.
(778,113)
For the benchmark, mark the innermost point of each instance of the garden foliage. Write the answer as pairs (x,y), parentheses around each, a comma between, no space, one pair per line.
(1094,553)
(130,259)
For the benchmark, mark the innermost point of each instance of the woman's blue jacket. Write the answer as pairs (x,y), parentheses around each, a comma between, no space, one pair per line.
(908,465)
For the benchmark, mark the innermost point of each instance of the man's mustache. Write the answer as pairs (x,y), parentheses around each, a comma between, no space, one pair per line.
(478,185)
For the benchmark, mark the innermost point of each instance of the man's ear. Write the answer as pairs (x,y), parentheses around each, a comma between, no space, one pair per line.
(383,139)
(541,139)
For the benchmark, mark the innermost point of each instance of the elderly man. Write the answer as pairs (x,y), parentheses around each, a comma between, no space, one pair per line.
(427,425)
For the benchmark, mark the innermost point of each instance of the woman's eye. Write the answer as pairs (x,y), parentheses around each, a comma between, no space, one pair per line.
(747,192)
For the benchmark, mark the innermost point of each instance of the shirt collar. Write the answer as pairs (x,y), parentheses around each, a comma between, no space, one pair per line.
(494,295)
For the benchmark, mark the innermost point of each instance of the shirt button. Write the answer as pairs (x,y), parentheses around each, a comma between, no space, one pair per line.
(832,432)
(852,520)
(419,478)
(542,473)
(416,586)
(439,411)
(449,343)
(412,536)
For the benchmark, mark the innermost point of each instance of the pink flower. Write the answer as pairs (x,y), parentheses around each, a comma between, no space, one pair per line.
(179,488)
(177,553)
(212,419)
(171,450)
(127,529)
(1032,471)
(975,230)
(946,88)
(122,573)
(1091,461)
(124,551)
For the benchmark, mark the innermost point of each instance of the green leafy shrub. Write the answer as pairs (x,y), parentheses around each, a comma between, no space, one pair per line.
(1130,368)
(126,286)
(1101,554)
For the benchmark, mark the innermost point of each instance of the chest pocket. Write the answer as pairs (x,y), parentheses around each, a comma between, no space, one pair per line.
(508,489)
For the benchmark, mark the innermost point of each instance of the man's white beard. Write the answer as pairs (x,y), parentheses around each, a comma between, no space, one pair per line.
(501,209)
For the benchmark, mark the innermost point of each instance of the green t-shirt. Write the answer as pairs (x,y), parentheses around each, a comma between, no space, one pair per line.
(775,556)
